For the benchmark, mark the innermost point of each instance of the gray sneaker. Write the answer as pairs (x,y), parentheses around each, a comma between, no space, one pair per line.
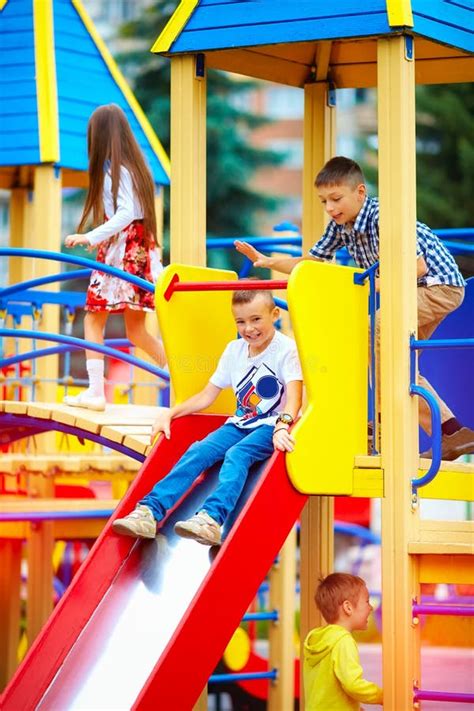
(138,524)
(202,528)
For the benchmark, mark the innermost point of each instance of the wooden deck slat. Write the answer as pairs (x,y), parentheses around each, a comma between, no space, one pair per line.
(139,443)
(118,434)
(16,408)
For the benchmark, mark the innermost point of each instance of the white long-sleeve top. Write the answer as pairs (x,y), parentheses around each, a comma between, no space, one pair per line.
(128,208)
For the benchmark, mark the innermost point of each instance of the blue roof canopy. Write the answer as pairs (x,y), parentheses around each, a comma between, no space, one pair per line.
(81,76)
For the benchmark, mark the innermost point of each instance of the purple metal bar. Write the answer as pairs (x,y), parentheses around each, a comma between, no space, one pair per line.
(32,516)
(454,610)
(15,427)
(452,696)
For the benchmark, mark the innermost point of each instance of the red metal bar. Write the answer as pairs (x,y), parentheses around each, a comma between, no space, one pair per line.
(247,284)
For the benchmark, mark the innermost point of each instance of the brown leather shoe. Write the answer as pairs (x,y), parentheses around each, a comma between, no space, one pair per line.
(455,445)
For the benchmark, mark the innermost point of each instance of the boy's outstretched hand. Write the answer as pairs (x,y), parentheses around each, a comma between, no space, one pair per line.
(283,441)
(162,424)
(257,258)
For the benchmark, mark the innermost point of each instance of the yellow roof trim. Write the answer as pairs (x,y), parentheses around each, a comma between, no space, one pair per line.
(399,13)
(175,24)
(123,86)
(46,89)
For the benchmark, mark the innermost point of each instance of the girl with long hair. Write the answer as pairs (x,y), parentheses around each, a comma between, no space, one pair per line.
(120,201)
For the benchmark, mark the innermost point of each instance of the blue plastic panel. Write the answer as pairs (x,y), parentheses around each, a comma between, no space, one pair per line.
(450,371)
(244,23)
(19,141)
(84,83)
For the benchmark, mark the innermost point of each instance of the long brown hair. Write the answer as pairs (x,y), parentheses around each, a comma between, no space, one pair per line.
(110,139)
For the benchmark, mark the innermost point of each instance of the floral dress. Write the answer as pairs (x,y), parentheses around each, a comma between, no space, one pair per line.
(133,250)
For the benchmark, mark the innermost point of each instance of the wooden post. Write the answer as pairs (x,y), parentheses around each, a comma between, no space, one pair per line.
(281,635)
(188,180)
(397,188)
(188,158)
(317,520)
(10,572)
(45,232)
(40,577)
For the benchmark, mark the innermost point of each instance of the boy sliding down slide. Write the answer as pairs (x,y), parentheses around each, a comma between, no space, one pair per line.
(263,369)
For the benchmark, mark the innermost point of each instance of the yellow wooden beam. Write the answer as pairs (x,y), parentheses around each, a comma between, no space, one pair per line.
(188,151)
(319,144)
(174,25)
(399,13)
(397,187)
(46,88)
(281,636)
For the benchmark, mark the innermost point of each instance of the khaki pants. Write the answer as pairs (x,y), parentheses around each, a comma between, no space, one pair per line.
(434,304)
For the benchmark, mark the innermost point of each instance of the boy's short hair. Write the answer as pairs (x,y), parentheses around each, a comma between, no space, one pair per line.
(333,590)
(340,170)
(245,296)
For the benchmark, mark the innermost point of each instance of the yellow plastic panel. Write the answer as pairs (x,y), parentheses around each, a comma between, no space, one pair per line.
(195,327)
(329,316)
(446,569)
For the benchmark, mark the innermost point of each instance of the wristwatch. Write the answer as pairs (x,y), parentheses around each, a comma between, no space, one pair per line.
(285,418)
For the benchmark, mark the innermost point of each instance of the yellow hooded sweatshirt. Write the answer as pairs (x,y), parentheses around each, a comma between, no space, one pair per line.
(333,674)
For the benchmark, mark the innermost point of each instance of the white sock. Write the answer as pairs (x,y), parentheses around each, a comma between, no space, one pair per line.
(95,371)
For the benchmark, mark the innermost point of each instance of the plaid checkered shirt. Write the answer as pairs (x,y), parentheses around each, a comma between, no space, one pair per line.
(362,243)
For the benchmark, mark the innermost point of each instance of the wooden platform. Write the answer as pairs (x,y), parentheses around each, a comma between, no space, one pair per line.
(129,425)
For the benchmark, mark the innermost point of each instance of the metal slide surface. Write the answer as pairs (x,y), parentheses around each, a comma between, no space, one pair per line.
(140,612)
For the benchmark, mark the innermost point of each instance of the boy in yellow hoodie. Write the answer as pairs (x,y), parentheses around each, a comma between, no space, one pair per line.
(332,672)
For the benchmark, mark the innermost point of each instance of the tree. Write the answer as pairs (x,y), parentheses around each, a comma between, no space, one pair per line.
(445,155)
(232,160)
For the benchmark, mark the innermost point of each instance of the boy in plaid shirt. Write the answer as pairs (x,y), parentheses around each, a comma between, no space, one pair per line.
(355,224)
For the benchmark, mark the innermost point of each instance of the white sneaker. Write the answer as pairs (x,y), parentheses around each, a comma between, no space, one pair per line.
(90,402)
(140,523)
(202,528)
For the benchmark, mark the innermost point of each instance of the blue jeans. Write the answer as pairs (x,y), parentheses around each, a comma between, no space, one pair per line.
(238,448)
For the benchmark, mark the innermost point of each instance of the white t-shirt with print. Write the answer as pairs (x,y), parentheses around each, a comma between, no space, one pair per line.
(259,382)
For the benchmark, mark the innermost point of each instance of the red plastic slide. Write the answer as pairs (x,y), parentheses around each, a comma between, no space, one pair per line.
(144,623)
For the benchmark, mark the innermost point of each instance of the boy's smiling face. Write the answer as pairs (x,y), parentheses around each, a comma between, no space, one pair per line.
(255,323)
(342,202)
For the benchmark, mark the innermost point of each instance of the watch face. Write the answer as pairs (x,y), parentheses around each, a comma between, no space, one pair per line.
(286,419)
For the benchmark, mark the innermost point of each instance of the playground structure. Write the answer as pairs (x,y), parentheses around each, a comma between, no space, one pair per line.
(420,551)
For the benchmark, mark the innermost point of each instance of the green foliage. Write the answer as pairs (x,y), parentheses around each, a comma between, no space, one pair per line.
(445,155)
(232,160)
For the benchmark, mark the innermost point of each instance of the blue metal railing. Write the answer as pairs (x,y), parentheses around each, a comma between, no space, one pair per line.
(242,676)
(69,259)
(80,343)
(371,275)
(435,437)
